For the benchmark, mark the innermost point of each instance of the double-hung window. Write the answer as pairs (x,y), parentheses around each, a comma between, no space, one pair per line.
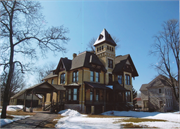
(97,77)
(69,94)
(75,94)
(127,79)
(91,76)
(91,95)
(120,79)
(110,63)
(62,78)
(97,95)
(75,76)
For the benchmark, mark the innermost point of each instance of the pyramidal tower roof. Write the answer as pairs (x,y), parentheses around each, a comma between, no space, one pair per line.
(104,37)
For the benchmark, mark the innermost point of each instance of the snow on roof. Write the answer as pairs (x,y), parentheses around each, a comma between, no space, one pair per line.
(110,86)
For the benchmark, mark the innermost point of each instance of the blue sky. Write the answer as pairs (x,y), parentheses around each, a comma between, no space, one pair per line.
(134,23)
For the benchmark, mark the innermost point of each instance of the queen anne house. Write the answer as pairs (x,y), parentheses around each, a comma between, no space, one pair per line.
(92,82)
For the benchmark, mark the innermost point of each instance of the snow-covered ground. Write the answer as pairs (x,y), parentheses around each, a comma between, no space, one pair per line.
(75,120)
(16,117)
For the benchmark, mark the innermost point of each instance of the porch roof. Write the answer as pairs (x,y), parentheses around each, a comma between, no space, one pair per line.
(119,87)
(96,85)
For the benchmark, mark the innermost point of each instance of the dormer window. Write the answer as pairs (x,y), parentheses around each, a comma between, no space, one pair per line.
(100,37)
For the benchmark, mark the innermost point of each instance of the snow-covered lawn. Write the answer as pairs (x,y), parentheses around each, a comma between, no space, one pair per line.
(15,117)
(74,119)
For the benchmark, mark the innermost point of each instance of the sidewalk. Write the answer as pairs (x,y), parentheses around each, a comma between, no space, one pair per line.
(36,121)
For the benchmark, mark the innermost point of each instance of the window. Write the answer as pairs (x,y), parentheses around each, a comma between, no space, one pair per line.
(75,76)
(52,81)
(72,94)
(110,78)
(110,63)
(102,47)
(97,77)
(120,79)
(107,47)
(159,90)
(91,95)
(69,94)
(97,49)
(128,96)
(97,95)
(127,79)
(112,48)
(91,76)
(75,94)
(145,103)
(62,78)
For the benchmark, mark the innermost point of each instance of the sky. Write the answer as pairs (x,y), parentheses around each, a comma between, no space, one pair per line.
(134,23)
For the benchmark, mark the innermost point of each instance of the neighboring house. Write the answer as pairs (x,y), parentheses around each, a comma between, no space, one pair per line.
(158,95)
(139,104)
(92,82)
(18,99)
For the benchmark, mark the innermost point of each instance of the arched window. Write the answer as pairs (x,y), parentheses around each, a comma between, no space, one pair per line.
(62,81)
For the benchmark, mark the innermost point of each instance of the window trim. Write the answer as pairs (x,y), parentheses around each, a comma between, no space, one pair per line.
(70,94)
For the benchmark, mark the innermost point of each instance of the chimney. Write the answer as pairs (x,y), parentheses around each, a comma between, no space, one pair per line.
(74,55)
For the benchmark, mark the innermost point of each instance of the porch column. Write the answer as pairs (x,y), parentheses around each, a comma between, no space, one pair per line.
(51,99)
(104,98)
(44,104)
(24,107)
(31,109)
(57,101)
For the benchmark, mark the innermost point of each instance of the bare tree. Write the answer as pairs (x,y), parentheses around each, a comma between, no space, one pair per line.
(93,40)
(17,83)
(166,46)
(22,32)
(44,71)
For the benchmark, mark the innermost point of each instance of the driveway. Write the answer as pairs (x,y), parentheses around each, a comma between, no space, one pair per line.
(36,121)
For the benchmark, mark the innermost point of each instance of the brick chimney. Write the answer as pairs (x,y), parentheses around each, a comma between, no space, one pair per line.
(74,55)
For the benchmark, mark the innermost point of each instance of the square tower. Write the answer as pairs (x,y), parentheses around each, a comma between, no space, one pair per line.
(105,50)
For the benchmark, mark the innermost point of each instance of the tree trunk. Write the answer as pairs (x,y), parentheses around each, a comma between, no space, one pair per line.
(11,67)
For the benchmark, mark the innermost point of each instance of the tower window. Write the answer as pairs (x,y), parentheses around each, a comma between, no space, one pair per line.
(110,63)
(107,47)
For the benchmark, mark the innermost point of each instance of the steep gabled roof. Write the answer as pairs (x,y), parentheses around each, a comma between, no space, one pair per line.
(51,75)
(143,87)
(121,61)
(158,81)
(86,59)
(65,62)
(104,37)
